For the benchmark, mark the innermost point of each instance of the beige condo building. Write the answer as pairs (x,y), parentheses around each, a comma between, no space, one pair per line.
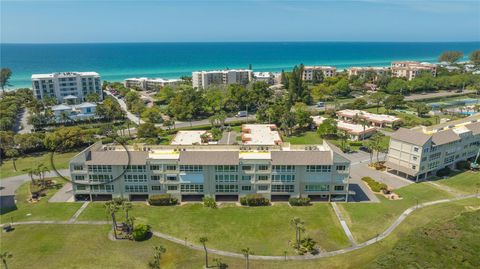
(411,69)
(419,153)
(309,72)
(204,79)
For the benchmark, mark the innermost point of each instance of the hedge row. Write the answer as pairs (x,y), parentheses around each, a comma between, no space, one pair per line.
(254,200)
(375,185)
(299,201)
(162,200)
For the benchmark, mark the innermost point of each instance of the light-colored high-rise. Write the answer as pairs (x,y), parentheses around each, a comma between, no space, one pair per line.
(149,83)
(73,85)
(411,69)
(203,79)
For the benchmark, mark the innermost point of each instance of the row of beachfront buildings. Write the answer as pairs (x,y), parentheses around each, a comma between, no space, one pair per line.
(75,86)
(204,79)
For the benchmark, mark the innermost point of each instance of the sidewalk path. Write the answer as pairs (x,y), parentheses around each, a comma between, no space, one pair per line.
(11,184)
(79,211)
(191,245)
(343,223)
(445,188)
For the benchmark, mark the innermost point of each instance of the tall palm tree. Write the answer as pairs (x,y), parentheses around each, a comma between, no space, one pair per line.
(5,256)
(111,208)
(246,253)
(364,123)
(298,224)
(42,170)
(204,241)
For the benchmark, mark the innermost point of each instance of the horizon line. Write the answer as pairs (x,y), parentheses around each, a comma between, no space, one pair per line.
(206,42)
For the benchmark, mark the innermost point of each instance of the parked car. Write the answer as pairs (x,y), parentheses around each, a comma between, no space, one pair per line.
(241,114)
(321,104)
(363,148)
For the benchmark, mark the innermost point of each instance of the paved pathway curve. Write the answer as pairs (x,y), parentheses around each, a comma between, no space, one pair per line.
(191,245)
(343,223)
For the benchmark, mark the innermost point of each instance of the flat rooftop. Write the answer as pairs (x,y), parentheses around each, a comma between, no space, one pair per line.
(161,80)
(350,113)
(64,74)
(349,127)
(260,134)
(188,137)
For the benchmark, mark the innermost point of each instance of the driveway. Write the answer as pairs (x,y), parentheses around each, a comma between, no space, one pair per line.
(132,117)
(416,97)
(360,170)
(228,138)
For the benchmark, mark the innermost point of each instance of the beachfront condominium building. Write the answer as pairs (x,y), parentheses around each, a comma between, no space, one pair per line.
(225,172)
(150,83)
(74,86)
(364,70)
(420,152)
(310,71)
(412,69)
(203,79)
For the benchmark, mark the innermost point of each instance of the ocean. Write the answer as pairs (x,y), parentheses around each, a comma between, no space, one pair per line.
(117,61)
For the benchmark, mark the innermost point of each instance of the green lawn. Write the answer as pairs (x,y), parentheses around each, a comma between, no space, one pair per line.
(466,182)
(366,220)
(305,138)
(232,227)
(41,210)
(83,246)
(60,159)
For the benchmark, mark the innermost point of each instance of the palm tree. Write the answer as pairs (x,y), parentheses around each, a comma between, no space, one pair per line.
(111,207)
(343,138)
(364,123)
(157,256)
(5,256)
(42,170)
(246,253)
(204,240)
(298,224)
(30,171)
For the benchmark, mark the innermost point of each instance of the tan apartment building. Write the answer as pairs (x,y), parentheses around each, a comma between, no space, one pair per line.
(203,79)
(411,69)
(309,72)
(419,153)
(361,71)
(149,83)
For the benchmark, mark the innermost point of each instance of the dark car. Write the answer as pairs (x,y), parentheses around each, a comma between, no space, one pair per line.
(363,148)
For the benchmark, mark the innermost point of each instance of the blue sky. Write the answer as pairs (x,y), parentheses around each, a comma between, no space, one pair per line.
(72,21)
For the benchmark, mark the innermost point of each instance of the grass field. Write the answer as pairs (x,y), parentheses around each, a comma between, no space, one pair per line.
(233,227)
(366,220)
(60,159)
(468,182)
(305,138)
(41,210)
(83,246)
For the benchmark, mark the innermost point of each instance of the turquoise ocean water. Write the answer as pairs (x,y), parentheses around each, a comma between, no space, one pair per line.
(117,61)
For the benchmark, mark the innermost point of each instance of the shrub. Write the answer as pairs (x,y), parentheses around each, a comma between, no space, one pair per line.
(444,172)
(463,165)
(356,143)
(254,200)
(162,200)
(209,202)
(299,201)
(140,231)
(375,185)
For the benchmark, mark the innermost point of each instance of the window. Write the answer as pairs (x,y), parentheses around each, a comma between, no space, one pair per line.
(172,187)
(262,187)
(80,187)
(318,168)
(101,188)
(435,156)
(341,167)
(135,168)
(191,188)
(155,167)
(172,178)
(414,167)
(322,187)
(226,178)
(77,177)
(283,188)
(339,188)
(247,178)
(78,167)
(156,178)
(100,178)
(191,168)
(432,165)
(283,178)
(415,149)
(283,168)
(226,188)
(226,168)
(171,168)
(449,159)
(156,188)
(246,188)
(135,178)
(262,177)
(136,188)
(263,167)
(100,168)
(246,168)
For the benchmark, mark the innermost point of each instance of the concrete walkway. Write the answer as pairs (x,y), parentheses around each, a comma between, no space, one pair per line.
(343,223)
(79,211)
(191,245)
(445,188)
